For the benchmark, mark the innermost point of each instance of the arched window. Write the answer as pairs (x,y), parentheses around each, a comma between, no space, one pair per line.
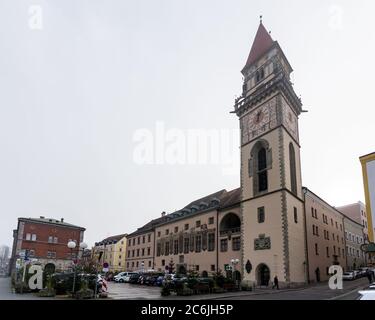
(262,170)
(259,163)
(292,163)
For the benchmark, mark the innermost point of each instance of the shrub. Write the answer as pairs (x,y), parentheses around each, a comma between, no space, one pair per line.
(165,290)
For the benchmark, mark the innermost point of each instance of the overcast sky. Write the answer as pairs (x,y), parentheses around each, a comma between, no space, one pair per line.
(79,79)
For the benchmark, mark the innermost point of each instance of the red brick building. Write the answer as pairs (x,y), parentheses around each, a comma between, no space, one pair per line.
(45,240)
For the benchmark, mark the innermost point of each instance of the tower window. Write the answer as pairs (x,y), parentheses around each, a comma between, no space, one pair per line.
(259,163)
(259,75)
(292,163)
(295,215)
(262,170)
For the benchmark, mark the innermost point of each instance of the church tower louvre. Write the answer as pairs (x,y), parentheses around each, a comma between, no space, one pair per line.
(272,210)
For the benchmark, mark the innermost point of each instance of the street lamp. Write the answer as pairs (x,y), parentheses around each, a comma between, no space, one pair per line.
(234,262)
(72,245)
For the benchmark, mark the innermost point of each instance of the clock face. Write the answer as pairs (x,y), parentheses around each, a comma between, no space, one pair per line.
(258,121)
(290,121)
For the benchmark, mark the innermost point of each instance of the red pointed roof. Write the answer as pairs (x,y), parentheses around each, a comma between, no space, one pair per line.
(262,43)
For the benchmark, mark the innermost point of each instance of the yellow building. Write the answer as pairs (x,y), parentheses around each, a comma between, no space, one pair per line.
(112,250)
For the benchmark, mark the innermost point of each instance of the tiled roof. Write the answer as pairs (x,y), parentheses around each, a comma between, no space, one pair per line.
(230,198)
(50,221)
(111,239)
(262,43)
(223,197)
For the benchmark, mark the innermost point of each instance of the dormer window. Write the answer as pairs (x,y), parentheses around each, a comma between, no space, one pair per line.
(194,208)
(203,205)
(215,202)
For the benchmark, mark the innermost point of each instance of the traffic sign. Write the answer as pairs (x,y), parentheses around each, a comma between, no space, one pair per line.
(105,269)
(105,265)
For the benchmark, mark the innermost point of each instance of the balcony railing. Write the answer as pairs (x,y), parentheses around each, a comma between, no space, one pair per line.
(230,231)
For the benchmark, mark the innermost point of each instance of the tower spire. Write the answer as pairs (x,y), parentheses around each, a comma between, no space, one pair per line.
(262,43)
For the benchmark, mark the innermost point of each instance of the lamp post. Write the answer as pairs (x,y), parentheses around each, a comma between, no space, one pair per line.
(72,245)
(234,262)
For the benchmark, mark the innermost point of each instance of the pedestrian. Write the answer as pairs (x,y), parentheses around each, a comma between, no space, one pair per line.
(275,283)
(369,276)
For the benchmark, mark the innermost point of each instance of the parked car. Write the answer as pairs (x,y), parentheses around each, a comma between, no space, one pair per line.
(134,278)
(364,271)
(124,277)
(371,286)
(348,275)
(357,274)
(366,295)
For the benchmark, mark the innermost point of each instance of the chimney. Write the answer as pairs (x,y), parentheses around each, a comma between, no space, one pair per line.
(163,214)
(62,219)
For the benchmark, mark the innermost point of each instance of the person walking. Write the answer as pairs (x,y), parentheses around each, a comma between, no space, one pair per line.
(275,283)
(369,276)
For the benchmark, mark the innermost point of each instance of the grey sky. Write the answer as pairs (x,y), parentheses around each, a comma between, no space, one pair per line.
(73,94)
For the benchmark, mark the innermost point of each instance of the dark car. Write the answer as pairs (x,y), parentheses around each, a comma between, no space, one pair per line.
(134,278)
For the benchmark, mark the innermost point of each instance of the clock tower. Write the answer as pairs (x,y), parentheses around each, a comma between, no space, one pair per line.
(272,211)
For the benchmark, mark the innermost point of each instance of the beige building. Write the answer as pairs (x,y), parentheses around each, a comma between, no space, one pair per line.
(354,237)
(271,225)
(112,250)
(357,212)
(325,237)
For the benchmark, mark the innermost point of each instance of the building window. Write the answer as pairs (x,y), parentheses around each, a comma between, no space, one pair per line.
(197,268)
(119,256)
(50,239)
(186,226)
(33,237)
(213,267)
(175,229)
(163,263)
(130,242)
(316,214)
(166,232)
(137,264)
(295,215)
(143,252)
(186,245)
(120,249)
(211,242)
(198,243)
(137,252)
(198,224)
(167,248)
(149,238)
(327,251)
(259,76)
(236,243)
(159,234)
(223,245)
(133,253)
(148,251)
(51,255)
(149,263)
(292,163)
(143,239)
(158,249)
(211,220)
(312,212)
(133,241)
(316,249)
(175,247)
(129,253)
(262,170)
(138,240)
(261,215)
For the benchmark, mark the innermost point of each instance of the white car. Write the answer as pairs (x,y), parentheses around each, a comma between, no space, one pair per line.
(348,275)
(366,295)
(123,276)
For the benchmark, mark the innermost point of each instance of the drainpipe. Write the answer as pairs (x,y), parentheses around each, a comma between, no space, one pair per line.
(307,271)
(217,240)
